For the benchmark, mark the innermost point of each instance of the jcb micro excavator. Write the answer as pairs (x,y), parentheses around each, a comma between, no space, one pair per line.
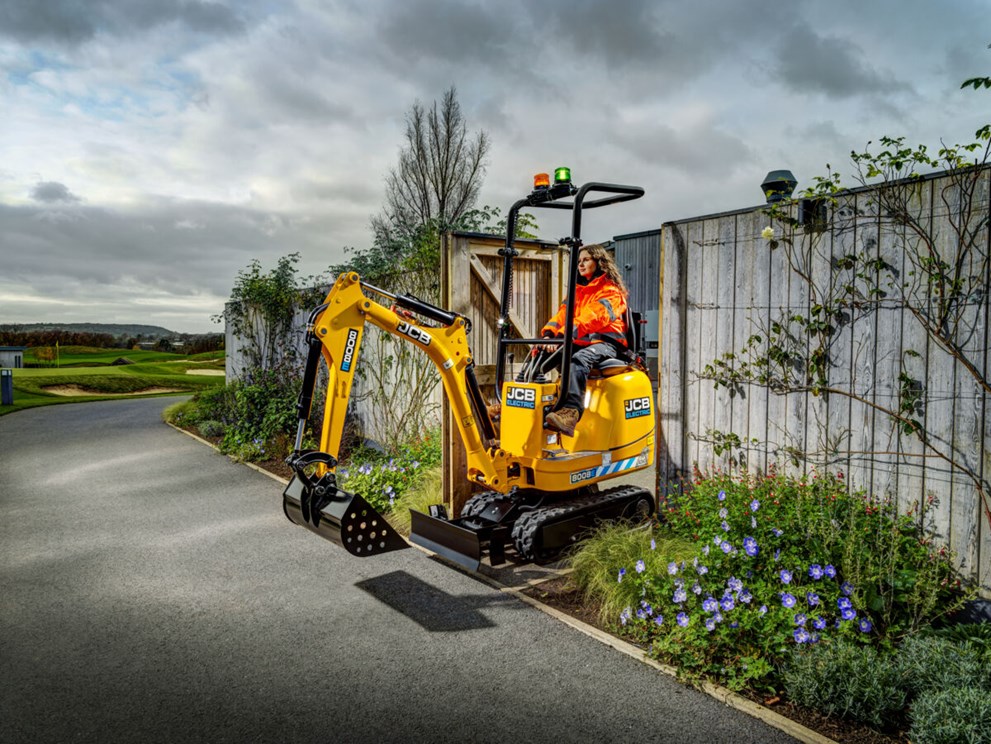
(540,488)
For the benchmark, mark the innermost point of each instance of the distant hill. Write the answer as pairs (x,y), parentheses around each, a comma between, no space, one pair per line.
(114,329)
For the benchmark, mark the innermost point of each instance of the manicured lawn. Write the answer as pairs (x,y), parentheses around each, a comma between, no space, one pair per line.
(153,373)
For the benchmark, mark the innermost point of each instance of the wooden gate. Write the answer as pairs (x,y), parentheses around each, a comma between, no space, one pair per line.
(471,284)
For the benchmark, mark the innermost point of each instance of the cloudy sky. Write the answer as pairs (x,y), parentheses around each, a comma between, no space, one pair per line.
(150,149)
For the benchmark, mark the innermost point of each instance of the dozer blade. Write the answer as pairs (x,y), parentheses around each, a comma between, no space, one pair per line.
(343,518)
(446,539)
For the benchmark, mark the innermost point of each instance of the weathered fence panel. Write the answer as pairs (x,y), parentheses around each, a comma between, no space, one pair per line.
(722,282)
(471,284)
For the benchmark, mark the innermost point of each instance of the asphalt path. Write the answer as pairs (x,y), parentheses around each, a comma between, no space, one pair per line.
(152,591)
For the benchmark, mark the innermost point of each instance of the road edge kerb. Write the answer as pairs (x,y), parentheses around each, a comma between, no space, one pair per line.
(722,694)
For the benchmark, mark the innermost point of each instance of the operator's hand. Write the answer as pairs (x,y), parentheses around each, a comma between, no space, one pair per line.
(549,348)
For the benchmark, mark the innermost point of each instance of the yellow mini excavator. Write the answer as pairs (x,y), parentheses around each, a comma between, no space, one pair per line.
(539,489)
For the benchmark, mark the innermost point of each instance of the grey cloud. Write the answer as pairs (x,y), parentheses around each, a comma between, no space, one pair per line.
(699,152)
(450,30)
(51,192)
(149,254)
(809,63)
(73,22)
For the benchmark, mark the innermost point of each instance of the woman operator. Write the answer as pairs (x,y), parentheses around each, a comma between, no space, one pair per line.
(599,331)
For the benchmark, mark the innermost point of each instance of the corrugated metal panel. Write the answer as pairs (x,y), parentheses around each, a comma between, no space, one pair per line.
(638,256)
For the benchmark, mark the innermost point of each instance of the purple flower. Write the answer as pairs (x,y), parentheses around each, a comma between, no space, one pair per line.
(734,584)
(717,540)
(788,600)
(745,596)
(722,496)
(750,547)
(705,550)
(777,532)
(622,573)
(849,614)
(830,571)
(659,619)
(680,595)
(710,624)
(802,636)
(753,522)
(701,570)
(754,505)
(641,566)
(653,544)
(815,571)
(727,548)
(624,616)
(718,617)
(844,603)
(648,610)
(785,576)
(696,588)
(865,625)
(727,603)
(819,623)
(710,605)
(725,526)
(641,614)
(682,619)
(762,610)
(723,513)
(847,588)
(812,598)
(672,568)
(800,618)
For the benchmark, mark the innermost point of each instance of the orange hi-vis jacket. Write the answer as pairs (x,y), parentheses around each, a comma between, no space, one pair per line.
(599,310)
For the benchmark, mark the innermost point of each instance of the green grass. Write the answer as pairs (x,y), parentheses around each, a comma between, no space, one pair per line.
(86,356)
(102,382)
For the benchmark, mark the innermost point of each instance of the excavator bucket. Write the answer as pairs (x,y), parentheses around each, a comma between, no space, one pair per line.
(343,518)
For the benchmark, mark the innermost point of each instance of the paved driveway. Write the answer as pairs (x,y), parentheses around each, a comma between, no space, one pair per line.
(152,591)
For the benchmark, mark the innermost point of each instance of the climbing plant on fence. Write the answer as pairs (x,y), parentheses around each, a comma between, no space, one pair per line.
(939,228)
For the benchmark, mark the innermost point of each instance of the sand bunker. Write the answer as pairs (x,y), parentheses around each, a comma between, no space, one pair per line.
(76,390)
(211,372)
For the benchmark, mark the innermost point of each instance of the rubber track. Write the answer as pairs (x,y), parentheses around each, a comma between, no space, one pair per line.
(526,528)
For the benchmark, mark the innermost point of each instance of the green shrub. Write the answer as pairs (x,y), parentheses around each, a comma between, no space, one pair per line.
(928,663)
(596,560)
(847,680)
(382,478)
(774,563)
(960,715)
(211,428)
(425,491)
(180,414)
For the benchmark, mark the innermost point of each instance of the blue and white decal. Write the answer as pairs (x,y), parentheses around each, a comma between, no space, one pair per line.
(609,468)
(349,350)
(637,407)
(518,397)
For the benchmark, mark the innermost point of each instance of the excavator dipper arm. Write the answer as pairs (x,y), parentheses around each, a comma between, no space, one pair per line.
(335,333)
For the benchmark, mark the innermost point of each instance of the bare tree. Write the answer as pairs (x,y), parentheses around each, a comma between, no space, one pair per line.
(439,173)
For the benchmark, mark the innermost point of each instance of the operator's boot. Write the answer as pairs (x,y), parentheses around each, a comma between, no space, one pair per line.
(563,421)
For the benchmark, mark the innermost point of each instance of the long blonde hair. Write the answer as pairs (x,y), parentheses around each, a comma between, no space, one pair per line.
(606,264)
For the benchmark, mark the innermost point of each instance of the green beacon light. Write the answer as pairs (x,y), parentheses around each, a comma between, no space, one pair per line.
(562,175)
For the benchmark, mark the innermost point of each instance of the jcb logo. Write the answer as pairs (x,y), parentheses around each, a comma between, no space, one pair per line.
(637,407)
(349,350)
(414,333)
(518,397)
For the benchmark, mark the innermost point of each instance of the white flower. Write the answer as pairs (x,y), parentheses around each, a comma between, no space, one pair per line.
(767,233)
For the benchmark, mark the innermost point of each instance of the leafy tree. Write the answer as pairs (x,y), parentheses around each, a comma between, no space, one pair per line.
(977,82)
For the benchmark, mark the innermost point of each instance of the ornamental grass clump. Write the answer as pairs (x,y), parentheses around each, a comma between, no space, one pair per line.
(777,564)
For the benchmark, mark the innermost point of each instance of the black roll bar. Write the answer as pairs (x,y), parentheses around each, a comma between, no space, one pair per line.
(549,198)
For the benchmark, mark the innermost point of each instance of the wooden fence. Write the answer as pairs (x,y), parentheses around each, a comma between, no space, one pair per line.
(722,283)
(471,283)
